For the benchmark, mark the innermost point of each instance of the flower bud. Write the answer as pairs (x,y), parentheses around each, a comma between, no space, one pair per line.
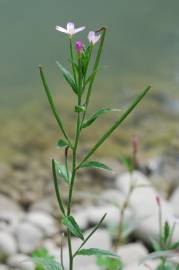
(79,46)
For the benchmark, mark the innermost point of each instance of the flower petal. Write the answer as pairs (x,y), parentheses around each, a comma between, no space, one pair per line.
(79,29)
(71,28)
(93,37)
(61,29)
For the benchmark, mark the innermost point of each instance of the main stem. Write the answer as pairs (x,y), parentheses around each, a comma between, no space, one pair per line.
(74,158)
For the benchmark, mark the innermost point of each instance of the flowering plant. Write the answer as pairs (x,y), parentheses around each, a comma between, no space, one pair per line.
(81,81)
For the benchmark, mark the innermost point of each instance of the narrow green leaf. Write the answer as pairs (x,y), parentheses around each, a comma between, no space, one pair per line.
(115,125)
(60,203)
(89,121)
(97,252)
(62,172)
(175,245)
(67,75)
(73,227)
(47,263)
(80,109)
(52,104)
(62,143)
(95,165)
(166,231)
(160,254)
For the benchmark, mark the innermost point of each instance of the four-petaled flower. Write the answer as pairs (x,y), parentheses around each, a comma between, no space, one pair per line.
(93,37)
(70,29)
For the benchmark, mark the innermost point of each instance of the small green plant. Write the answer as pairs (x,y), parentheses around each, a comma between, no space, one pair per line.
(107,263)
(164,247)
(81,80)
(41,257)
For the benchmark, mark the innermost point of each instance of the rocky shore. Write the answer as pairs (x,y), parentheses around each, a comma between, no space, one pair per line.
(29,217)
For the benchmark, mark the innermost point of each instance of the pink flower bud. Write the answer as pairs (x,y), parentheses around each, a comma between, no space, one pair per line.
(79,46)
(158,200)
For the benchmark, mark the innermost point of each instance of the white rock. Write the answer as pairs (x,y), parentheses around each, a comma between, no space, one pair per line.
(53,250)
(21,262)
(28,237)
(132,253)
(7,245)
(43,221)
(44,205)
(152,265)
(3,267)
(95,213)
(8,204)
(144,205)
(10,219)
(82,218)
(112,196)
(89,267)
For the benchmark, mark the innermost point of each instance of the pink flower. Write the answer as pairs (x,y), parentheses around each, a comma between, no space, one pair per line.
(93,37)
(70,29)
(79,46)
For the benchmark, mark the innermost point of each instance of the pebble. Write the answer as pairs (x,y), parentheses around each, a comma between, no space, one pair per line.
(21,262)
(28,237)
(132,253)
(43,221)
(7,245)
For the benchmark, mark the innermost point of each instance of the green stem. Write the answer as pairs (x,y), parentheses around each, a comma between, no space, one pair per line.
(115,125)
(96,64)
(70,250)
(72,182)
(94,70)
(72,60)
(52,105)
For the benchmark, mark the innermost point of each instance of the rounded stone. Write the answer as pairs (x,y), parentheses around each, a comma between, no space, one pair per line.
(28,237)
(7,245)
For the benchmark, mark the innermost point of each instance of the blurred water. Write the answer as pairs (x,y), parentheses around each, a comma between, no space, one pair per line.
(142,47)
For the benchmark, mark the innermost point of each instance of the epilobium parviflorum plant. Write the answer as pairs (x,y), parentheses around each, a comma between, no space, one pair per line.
(81,80)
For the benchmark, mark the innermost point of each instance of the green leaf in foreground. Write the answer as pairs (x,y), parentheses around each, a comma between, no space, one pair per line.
(62,143)
(89,121)
(67,75)
(97,252)
(161,254)
(109,263)
(47,263)
(95,165)
(73,227)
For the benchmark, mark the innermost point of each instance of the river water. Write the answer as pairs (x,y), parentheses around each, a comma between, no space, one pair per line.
(142,47)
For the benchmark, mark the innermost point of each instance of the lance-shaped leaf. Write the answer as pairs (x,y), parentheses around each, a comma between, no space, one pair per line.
(57,191)
(97,252)
(115,125)
(52,104)
(89,121)
(68,77)
(47,263)
(95,165)
(62,143)
(62,172)
(73,227)
(160,254)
